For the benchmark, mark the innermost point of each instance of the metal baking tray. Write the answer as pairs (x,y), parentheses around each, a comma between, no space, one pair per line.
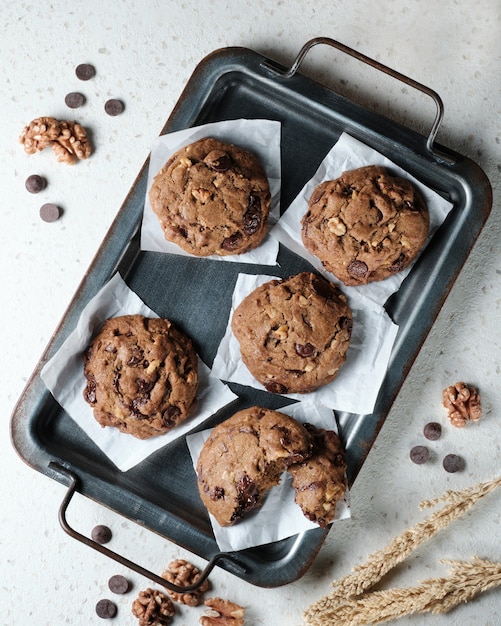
(160,493)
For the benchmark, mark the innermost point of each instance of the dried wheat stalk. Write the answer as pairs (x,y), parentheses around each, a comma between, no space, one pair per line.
(365,576)
(436,595)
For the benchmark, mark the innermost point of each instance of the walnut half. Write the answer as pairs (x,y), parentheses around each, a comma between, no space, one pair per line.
(68,139)
(183,573)
(462,403)
(222,613)
(153,608)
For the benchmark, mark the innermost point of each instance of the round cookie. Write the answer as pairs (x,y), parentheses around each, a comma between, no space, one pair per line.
(212,198)
(320,481)
(293,333)
(142,375)
(244,457)
(366,225)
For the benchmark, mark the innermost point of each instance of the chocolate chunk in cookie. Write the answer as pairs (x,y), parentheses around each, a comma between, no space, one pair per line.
(142,375)
(244,457)
(320,481)
(293,333)
(366,225)
(212,198)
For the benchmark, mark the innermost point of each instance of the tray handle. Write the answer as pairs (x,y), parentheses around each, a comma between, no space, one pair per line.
(440,156)
(73,482)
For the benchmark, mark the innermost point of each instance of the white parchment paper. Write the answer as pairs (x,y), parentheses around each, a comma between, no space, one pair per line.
(262,137)
(348,154)
(279,517)
(356,387)
(63,376)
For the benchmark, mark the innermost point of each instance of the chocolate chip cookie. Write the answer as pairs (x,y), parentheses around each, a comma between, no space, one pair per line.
(142,375)
(366,225)
(294,333)
(212,198)
(320,481)
(244,457)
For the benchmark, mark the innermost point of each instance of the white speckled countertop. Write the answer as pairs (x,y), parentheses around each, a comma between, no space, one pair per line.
(144,53)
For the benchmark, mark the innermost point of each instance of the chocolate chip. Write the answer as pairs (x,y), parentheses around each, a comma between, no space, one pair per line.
(118,584)
(322,287)
(358,269)
(432,431)
(274,387)
(85,71)
(232,242)
(50,212)
(453,463)
(218,160)
(252,217)
(217,493)
(247,497)
(74,99)
(170,416)
(144,386)
(35,183)
(90,391)
(135,408)
(106,609)
(398,264)
(305,350)
(101,534)
(346,323)
(114,107)
(419,454)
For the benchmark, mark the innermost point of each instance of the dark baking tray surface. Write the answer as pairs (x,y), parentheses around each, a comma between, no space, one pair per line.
(160,493)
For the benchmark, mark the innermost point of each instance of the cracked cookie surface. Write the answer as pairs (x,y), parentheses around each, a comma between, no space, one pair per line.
(244,457)
(366,225)
(294,333)
(212,198)
(320,481)
(142,375)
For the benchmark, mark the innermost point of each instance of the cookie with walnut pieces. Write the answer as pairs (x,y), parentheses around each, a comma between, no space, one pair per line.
(212,198)
(294,333)
(142,375)
(320,481)
(244,457)
(366,225)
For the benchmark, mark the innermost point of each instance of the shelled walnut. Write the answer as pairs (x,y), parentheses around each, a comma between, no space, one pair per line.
(462,403)
(153,608)
(183,573)
(67,139)
(222,613)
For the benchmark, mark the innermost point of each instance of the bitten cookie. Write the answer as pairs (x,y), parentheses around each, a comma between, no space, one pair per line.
(212,198)
(320,481)
(244,457)
(142,375)
(293,333)
(366,225)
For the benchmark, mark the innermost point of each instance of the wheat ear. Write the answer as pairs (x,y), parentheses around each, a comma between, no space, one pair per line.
(379,563)
(436,595)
